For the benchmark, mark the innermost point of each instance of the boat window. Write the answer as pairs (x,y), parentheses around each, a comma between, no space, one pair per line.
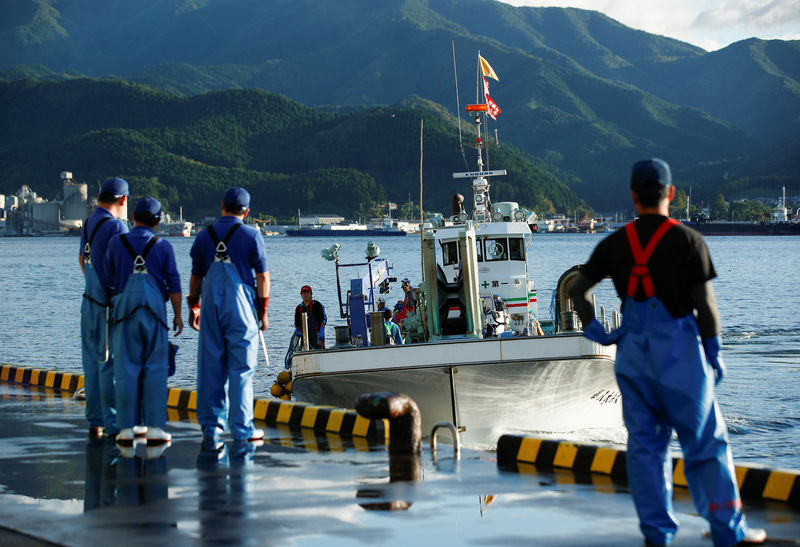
(479,249)
(516,248)
(450,253)
(496,248)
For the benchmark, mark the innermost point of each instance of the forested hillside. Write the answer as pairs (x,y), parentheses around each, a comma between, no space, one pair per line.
(578,90)
(187,150)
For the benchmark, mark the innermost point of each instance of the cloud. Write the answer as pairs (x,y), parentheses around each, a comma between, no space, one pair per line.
(710,24)
(764,15)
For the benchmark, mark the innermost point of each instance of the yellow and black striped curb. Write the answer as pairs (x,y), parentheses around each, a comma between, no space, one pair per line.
(529,453)
(62,381)
(296,416)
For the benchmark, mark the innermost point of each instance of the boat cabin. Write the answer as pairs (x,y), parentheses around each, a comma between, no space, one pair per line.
(506,295)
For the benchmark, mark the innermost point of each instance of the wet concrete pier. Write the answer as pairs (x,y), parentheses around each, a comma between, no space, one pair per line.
(301,487)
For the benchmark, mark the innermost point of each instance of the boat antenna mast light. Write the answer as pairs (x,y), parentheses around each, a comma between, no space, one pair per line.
(480,186)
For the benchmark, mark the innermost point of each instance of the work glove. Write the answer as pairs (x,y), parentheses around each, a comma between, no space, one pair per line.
(712,347)
(595,332)
(321,337)
(261,311)
(194,311)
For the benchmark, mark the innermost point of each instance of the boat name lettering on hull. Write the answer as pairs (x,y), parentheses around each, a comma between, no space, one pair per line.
(606,396)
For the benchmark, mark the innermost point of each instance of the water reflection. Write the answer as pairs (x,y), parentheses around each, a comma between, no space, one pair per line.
(101,474)
(404,469)
(141,481)
(138,478)
(224,488)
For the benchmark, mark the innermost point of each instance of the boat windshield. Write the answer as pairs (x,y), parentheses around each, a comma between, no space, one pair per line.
(449,253)
(493,248)
(496,248)
(516,248)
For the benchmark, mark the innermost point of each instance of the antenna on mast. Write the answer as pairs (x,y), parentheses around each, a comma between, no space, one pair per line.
(458,106)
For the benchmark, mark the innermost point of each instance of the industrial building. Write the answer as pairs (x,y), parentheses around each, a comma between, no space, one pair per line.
(26,213)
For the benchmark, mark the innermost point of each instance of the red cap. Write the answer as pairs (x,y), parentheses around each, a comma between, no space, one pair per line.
(305,288)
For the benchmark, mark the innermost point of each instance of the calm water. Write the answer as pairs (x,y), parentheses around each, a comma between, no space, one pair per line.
(758,290)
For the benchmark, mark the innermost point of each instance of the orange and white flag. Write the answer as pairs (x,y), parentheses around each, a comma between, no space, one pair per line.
(492,109)
(486,68)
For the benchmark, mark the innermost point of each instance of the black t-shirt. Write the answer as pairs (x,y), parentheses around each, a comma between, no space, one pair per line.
(316,315)
(679,262)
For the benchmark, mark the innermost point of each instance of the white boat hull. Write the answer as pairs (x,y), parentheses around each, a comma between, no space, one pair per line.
(557,384)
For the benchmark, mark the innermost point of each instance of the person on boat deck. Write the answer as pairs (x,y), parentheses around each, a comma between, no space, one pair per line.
(393,336)
(228,297)
(317,318)
(407,302)
(399,308)
(668,361)
(408,299)
(144,276)
(96,329)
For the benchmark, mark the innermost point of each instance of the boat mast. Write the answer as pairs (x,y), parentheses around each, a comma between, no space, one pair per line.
(688,199)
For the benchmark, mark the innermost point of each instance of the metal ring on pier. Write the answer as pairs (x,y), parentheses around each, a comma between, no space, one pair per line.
(456,439)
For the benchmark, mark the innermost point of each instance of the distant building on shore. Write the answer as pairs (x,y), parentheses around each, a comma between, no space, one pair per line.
(319,220)
(26,213)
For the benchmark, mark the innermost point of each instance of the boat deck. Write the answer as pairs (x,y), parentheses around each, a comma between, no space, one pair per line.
(298,488)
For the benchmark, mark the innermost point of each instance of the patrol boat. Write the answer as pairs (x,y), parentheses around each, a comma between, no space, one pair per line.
(476,354)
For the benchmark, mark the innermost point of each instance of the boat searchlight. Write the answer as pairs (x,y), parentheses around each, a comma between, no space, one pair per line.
(372,250)
(331,253)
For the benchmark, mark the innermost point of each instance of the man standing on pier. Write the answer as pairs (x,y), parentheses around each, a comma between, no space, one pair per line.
(668,361)
(228,297)
(96,330)
(144,276)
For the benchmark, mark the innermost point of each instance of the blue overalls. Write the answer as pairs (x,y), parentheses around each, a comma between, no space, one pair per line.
(667,383)
(98,364)
(228,347)
(141,345)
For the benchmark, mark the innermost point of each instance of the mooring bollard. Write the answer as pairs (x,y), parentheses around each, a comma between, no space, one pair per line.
(405,422)
(405,431)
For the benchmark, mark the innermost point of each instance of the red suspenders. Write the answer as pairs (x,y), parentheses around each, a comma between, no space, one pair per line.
(640,270)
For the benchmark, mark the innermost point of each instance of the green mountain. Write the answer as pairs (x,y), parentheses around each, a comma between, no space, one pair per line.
(188,150)
(577,89)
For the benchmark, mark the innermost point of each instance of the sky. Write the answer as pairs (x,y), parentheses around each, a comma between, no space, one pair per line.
(709,24)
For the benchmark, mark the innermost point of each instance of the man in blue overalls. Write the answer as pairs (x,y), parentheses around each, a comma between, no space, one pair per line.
(96,329)
(668,361)
(226,303)
(144,276)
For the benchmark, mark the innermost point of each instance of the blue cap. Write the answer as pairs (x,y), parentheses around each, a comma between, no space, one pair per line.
(649,172)
(117,187)
(147,207)
(236,199)
(406,281)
